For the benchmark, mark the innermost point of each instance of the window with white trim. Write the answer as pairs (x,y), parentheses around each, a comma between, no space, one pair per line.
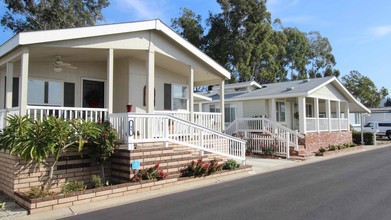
(230,113)
(309,110)
(213,108)
(357,118)
(280,111)
(180,96)
(45,92)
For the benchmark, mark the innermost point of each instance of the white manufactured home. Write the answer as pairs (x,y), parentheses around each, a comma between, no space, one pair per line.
(316,109)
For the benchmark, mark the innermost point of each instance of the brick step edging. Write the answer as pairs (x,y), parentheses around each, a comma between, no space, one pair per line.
(104,193)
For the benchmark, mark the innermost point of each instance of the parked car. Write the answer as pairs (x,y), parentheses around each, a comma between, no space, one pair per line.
(382,128)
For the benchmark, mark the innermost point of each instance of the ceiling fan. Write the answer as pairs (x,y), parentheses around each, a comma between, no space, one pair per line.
(59,64)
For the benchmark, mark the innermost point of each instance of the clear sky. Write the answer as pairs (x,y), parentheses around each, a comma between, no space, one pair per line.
(358,30)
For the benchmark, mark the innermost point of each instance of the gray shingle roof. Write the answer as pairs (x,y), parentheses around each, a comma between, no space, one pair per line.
(288,89)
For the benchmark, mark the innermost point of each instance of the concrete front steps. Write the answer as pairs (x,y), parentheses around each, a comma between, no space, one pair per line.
(172,159)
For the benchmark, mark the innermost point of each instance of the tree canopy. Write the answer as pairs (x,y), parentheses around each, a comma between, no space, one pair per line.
(244,39)
(363,89)
(22,15)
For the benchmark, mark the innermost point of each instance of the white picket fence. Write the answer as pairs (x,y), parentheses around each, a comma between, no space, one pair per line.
(141,128)
(260,143)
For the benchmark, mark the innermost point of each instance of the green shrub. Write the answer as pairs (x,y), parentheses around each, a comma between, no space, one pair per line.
(214,166)
(333,147)
(368,138)
(38,192)
(269,150)
(341,146)
(322,150)
(73,186)
(230,165)
(97,181)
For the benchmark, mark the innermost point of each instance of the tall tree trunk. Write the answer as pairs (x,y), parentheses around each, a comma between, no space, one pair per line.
(102,167)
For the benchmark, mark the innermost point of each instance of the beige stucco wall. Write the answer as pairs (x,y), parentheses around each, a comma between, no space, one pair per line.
(85,70)
(253,108)
(121,85)
(329,92)
(138,79)
(129,80)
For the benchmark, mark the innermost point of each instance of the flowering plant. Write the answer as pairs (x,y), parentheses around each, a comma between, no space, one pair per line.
(150,173)
(201,168)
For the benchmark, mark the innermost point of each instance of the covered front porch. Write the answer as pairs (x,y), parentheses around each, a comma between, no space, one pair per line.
(142,71)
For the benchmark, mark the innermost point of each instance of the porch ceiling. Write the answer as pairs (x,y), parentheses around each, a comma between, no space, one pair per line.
(69,55)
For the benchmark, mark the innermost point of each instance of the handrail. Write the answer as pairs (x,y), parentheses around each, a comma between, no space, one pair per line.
(188,123)
(284,128)
(141,127)
(206,119)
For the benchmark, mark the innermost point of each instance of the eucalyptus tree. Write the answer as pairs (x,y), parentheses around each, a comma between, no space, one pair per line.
(320,57)
(189,26)
(364,89)
(22,15)
(297,49)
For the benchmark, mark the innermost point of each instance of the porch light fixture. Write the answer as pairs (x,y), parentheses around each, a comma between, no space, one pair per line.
(57,69)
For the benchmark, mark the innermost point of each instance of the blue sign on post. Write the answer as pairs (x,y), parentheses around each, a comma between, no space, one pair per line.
(136,164)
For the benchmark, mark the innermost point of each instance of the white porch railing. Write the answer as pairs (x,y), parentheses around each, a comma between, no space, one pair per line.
(281,134)
(209,120)
(140,128)
(327,124)
(5,112)
(67,113)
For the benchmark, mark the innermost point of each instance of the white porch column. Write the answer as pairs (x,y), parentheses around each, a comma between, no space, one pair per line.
(191,93)
(222,104)
(2,91)
(339,114)
(302,115)
(23,81)
(150,99)
(110,81)
(347,114)
(200,106)
(8,93)
(273,109)
(328,112)
(316,112)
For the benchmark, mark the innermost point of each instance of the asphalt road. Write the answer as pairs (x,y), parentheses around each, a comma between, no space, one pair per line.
(352,187)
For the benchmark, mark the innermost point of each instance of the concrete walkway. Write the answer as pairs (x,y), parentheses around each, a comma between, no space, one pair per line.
(259,166)
(9,209)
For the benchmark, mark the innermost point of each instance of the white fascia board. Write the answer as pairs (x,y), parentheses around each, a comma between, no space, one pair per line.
(205,98)
(9,45)
(83,32)
(36,37)
(346,92)
(191,48)
(253,83)
(352,97)
(261,97)
(321,85)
